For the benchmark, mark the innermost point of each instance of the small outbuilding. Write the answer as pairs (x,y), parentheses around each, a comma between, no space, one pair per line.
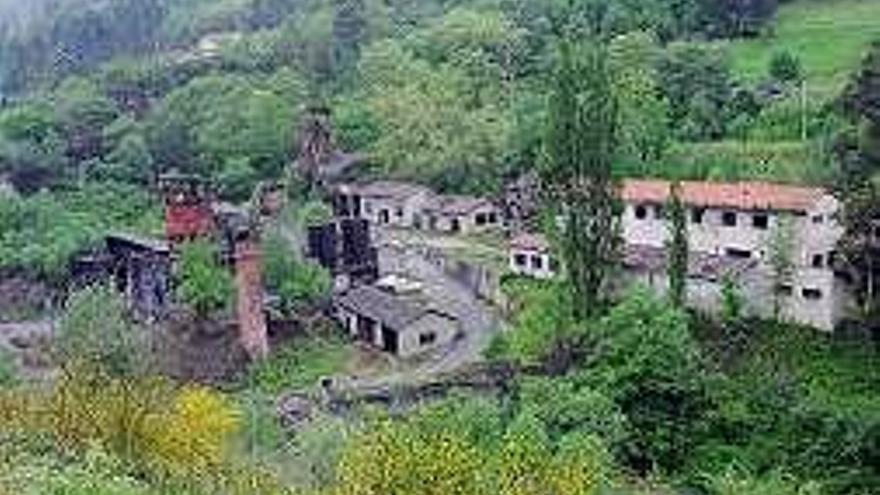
(531,256)
(462,214)
(395,317)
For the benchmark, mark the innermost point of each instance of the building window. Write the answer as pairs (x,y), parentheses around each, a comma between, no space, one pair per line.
(697,215)
(738,253)
(368,207)
(480,219)
(520,260)
(728,218)
(818,261)
(641,212)
(760,221)
(812,294)
(785,290)
(819,219)
(493,218)
(427,338)
(537,262)
(400,213)
(659,212)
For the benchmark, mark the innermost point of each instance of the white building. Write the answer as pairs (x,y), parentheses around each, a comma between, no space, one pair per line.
(738,221)
(397,204)
(531,256)
(409,205)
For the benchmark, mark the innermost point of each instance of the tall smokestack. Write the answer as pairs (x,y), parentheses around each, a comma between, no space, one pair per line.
(249,283)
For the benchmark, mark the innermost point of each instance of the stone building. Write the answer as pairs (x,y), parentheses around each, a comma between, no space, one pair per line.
(461,214)
(396,316)
(530,255)
(409,205)
(391,203)
(731,227)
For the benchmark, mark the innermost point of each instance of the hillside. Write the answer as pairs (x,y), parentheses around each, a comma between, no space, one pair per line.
(829,36)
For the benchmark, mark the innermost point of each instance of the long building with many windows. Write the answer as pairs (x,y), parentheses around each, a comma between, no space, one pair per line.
(731,230)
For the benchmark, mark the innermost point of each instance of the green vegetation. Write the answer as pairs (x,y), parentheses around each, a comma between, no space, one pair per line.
(40,233)
(204,283)
(828,36)
(8,369)
(635,395)
(299,365)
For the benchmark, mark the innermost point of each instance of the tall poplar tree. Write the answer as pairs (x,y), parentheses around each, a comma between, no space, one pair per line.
(677,248)
(580,147)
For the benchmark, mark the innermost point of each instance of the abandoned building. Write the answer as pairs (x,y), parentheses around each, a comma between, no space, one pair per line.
(344,248)
(461,214)
(390,203)
(530,255)
(409,205)
(730,229)
(396,316)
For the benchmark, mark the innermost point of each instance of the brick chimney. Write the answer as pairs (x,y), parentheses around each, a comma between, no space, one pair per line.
(249,284)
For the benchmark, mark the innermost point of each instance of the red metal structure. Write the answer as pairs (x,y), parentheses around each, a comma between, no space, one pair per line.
(188,207)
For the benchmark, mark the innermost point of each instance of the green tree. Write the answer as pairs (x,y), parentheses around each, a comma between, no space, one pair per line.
(785,67)
(731,304)
(95,330)
(695,80)
(650,364)
(677,248)
(299,284)
(204,284)
(447,132)
(643,112)
(581,145)
(781,262)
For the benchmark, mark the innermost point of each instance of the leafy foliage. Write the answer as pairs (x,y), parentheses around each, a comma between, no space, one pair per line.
(40,233)
(298,283)
(204,283)
(95,329)
(298,365)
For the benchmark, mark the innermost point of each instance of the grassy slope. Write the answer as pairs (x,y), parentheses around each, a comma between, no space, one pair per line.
(829,36)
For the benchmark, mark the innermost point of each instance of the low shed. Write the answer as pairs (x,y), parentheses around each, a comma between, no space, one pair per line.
(402,324)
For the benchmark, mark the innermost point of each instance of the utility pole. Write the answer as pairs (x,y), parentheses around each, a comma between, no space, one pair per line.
(803,108)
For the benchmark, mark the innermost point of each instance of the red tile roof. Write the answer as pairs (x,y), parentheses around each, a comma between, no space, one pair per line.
(738,195)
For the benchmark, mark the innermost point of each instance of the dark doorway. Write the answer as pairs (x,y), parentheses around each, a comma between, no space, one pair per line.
(366,330)
(384,217)
(389,340)
(455,225)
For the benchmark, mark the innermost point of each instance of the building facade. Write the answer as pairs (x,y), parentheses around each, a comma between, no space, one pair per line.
(413,206)
(530,255)
(395,318)
(461,214)
(732,228)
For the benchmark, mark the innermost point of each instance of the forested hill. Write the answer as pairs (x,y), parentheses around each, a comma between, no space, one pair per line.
(122,89)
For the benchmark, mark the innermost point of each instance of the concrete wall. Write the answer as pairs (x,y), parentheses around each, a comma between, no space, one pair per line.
(816,232)
(443,329)
(410,339)
(467,223)
(755,286)
(406,213)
